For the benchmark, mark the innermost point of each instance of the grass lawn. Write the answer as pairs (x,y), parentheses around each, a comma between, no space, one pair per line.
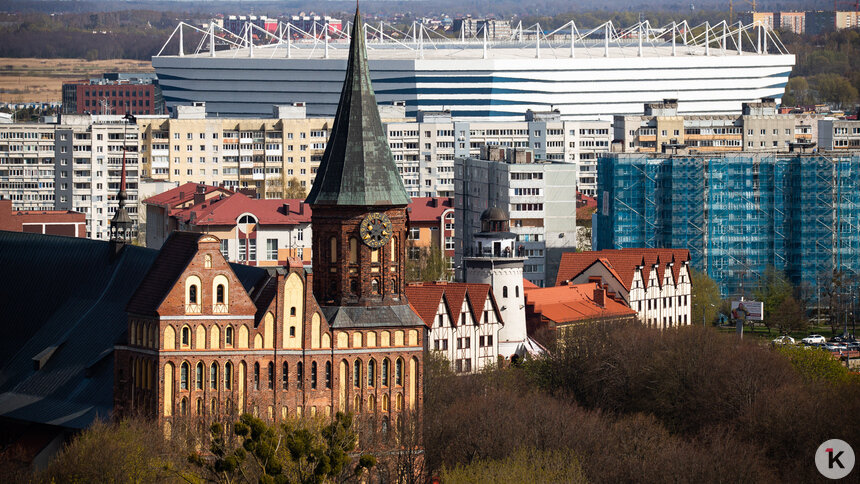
(763,333)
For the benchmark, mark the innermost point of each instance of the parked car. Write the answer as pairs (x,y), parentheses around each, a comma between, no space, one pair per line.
(784,340)
(813,339)
(834,347)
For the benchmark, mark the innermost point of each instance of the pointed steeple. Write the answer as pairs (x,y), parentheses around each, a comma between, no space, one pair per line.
(121,225)
(357,167)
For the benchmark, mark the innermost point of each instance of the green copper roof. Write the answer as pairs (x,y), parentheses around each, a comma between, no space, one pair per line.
(357,167)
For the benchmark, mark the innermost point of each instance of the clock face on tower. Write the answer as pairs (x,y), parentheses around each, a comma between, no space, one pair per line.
(375,230)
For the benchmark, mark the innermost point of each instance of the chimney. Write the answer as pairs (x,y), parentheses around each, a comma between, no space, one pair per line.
(434,202)
(200,194)
(302,207)
(599,294)
(286,209)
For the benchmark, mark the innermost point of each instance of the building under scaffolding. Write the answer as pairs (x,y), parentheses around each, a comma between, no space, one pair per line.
(737,213)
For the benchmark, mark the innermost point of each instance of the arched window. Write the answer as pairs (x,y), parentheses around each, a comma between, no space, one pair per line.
(371,403)
(313,375)
(256,376)
(270,382)
(213,407)
(207,261)
(186,336)
(517,291)
(374,286)
(356,404)
(356,374)
(394,287)
(228,336)
(385,403)
(300,375)
(198,376)
(219,294)
(504,291)
(247,219)
(183,376)
(192,294)
(353,286)
(393,249)
(183,406)
(213,376)
(285,376)
(384,419)
(353,251)
(228,375)
(385,364)
(371,373)
(328,374)
(398,372)
(398,403)
(292,311)
(199,406)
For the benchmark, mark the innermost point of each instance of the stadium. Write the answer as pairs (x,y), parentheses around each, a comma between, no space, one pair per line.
(585,74)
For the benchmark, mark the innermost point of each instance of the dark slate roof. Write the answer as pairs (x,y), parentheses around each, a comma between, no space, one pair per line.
(340,317)
(175,255)
(63,303)
(357,167)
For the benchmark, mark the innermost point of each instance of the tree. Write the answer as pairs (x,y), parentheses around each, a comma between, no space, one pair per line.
(774,289)
(430,265)
(788,316)
(706,297)
(525,465)
(294,189)
(815,365)
(796,92)
(835,89)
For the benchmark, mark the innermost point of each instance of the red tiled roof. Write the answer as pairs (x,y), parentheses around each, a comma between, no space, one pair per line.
(527,284)
(425,298)
(622,262)
(225,211)
(566,304)
(181,194)
(423,209)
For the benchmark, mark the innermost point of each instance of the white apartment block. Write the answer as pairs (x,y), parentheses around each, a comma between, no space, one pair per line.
(73,165)
(424,150)
(839,134)
(539,196)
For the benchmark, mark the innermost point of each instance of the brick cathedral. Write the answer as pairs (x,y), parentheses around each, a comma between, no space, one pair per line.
(207,338)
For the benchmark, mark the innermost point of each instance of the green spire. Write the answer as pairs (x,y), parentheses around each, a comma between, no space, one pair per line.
(357,167)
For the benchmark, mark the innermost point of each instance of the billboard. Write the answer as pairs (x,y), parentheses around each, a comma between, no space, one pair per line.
(748,310)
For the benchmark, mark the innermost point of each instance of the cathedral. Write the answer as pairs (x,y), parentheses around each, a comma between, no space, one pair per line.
(207,338)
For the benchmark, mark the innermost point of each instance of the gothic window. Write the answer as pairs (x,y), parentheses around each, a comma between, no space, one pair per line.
(183,406)
(198,376)
(398,372)
(313,375)
(394,287)
(271,380)
(328,374)
(219,294)
(374,286)
(192,294)
(371,373)
(356,374)
(299,375)
(385,364)
(213,376)
(186,336)
(256,376)
(228,376)
(228,336)
(353,286)
(285,376)
(183,376)
(293,311)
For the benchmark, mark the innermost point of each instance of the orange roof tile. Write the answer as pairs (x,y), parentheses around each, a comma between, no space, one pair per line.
(181,194)
(429,209)
(277,211)
(566,304)
(425,298)
(622,262)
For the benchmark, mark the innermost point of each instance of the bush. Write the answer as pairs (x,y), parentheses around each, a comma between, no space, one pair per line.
(525,465)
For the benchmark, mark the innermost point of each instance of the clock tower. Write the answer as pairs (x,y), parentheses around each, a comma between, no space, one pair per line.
(358,204)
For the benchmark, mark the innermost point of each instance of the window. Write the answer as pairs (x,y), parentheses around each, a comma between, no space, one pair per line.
(198,377)
(504,291)
(183,376)
(186,336)
(285,376)
(192,294)
(356,374)
(272,249)
(300,375)
(228,336)
(398,372)
(374,286)
(256,376)
(213,376)
(414,233)
(328,374)
(385,372)
(228,375)
(270,381)
(219,294)
(313,375)
(371,373)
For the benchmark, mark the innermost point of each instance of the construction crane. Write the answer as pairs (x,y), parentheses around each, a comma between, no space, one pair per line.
(748,2)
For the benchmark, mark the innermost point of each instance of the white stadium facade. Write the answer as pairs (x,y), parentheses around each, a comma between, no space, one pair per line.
(593,74)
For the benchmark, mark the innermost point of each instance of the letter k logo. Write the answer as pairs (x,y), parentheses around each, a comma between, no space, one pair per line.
(834,459)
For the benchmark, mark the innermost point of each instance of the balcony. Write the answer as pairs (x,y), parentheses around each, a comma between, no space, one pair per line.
(258,176)
(160,164)
(246,164)
(160,152)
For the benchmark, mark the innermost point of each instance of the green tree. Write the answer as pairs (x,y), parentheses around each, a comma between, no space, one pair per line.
(774,289)
(835,89)
(430,265)
(796,92)
(524,465)
(789,316)
(294,189)
(705,297)
(815,365)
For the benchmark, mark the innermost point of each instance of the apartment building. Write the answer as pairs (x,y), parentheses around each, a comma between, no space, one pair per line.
(758,128)
(839,134)
(73,165)
(425,150)
(539,196)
